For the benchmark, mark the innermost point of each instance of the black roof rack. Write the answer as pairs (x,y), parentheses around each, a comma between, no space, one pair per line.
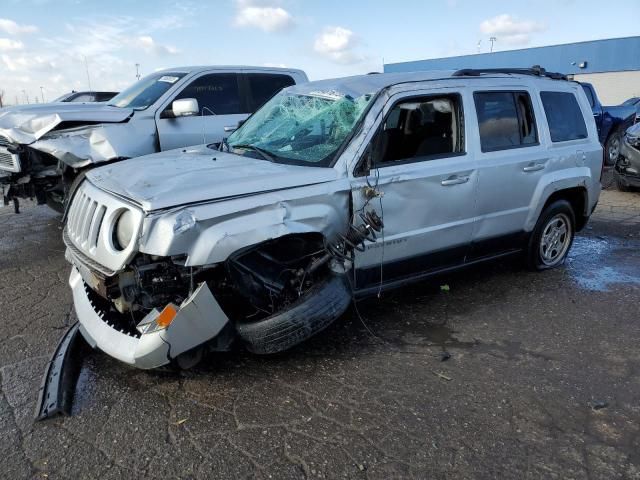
(536,71)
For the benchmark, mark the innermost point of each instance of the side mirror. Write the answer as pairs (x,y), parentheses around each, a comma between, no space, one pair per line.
(186,107)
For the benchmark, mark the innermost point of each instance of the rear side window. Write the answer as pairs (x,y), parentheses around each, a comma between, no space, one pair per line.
(589,95)
(263,86)
(564,116)
(216,93)
(505,120)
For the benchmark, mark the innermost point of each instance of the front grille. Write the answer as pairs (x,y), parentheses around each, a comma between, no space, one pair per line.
(84,221)
(82,258)
(8,161)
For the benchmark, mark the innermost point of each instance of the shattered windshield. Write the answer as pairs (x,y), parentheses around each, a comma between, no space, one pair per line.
(300,128)
(144,93)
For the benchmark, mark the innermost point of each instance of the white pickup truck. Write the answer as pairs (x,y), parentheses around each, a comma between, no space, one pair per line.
(44,148)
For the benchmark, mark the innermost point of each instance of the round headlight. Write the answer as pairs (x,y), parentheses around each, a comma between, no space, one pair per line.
(124,230)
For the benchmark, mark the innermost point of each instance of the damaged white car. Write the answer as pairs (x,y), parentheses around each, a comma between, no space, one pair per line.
(44,148)
(333,189)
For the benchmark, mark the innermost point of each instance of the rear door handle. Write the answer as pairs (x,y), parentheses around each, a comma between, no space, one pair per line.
(230,129)
(454,180)
(534,167)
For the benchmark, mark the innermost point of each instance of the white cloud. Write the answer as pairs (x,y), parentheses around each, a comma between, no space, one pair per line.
(510,30)
(148,44)
(267,16)
(12,28)
(112,45)
(338,45)
(6,44)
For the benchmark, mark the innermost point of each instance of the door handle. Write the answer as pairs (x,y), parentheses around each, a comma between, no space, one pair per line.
(454,180)
(534,167)
(230,129)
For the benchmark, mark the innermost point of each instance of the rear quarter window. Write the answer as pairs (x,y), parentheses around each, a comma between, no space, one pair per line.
(565,119)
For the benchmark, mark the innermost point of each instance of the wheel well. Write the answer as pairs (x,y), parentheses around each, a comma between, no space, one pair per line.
(577,197)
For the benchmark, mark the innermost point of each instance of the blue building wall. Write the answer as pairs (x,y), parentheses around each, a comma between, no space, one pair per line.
(612,55)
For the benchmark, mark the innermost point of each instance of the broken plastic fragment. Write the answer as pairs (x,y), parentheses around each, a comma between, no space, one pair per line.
(185,221)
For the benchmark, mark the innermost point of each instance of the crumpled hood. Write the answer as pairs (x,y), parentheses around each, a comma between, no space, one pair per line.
(199,174)
(27,123)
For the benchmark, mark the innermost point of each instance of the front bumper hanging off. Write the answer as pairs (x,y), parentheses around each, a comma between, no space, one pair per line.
(199,319)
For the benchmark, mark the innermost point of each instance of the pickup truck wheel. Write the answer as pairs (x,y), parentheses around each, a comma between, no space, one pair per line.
(612,147)
(314,311)
(552,237)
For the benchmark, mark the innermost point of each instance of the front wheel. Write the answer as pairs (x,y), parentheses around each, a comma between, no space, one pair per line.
(612,148)
(552,237)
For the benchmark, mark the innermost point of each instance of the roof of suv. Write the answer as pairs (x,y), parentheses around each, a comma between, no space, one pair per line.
(374,82)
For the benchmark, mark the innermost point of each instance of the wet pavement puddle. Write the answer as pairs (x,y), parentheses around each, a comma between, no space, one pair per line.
(599,263)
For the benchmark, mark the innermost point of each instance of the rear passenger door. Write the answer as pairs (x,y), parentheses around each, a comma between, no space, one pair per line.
(511,162)
(222,105)
(426,182)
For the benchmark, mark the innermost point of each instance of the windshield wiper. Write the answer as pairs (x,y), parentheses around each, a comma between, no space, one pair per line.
(264,153)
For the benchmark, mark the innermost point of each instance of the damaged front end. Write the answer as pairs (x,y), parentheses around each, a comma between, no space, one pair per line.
(628,166)
(41,153)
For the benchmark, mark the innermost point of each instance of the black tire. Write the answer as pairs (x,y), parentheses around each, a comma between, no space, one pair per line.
(558,211)
(612,148)
(310,314)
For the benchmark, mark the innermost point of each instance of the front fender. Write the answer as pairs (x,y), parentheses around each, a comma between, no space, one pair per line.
(210,233)
(81,147)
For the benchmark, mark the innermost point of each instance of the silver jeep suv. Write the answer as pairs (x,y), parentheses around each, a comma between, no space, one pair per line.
(333,189)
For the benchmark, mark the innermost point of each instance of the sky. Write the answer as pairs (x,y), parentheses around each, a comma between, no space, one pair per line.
(52,43)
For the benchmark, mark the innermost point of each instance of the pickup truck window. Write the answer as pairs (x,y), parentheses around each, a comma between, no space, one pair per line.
(564,116)
(145,92)
(263,86)
(506,120)
(301,128)
(589,95)
(422,128)
(216,93)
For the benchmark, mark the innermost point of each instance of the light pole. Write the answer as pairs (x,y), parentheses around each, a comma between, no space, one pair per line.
(138,71)
(492,40)
(86,66)
(25,95)
(42,93)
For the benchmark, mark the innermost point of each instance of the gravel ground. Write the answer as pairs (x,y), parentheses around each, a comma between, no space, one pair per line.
(543,379)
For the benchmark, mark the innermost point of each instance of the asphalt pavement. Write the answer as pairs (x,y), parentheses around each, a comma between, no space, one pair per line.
(494,372)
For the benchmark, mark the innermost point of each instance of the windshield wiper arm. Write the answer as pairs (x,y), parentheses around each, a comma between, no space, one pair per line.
(264,153)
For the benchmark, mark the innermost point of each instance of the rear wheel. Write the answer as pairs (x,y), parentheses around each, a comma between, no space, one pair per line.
(552,237)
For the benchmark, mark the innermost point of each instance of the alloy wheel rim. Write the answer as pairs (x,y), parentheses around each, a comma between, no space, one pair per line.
(555,240)
(614,149)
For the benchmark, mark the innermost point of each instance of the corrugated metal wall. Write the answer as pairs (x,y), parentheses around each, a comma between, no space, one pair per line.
(615,87)
(611,55)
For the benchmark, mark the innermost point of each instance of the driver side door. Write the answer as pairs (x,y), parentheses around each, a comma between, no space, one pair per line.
(222,105)
(422,184)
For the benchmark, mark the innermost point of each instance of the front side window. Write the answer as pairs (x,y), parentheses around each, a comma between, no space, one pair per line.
(301,128)
(505,120)
(145,92)
(421,128)
(216,93)
(263,86)
(564,116)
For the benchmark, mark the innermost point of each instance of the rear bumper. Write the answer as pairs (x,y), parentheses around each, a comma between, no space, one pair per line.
(199,319)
